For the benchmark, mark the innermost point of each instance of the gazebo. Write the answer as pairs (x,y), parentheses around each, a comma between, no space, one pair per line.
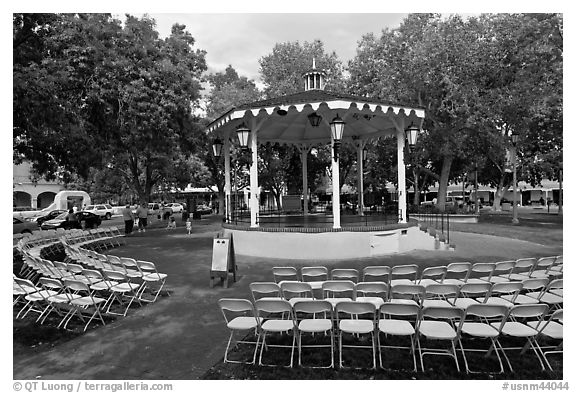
(310,118)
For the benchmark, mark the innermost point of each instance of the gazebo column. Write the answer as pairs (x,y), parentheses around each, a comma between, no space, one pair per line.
(360,160)
(304,157)
(227,182)
(254,205)
(335,190)
(401,178)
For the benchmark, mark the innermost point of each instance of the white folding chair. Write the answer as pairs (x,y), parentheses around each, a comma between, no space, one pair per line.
(240,317)
(517,325)
(121,293)
(551,295)
(552,328)
(350,322)
(457,273)
(35,297)
(432,275)
(522,269)
(502,270)
(501,289)
(296,291)
(542,267)
(152,280)
(407,294)
(531,288)
(284,273)
(438,324)
(87,303)
(440,295)
(59,301)
(335,292)
(344,275)
(472,293)
(265,290)
(314,318)
(278,319)
(475,326)
(403,274)
(376,273)
(314,275)
(372,292)
(479,271)
(398,320)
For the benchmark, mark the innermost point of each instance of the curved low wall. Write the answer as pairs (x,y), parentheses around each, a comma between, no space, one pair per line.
(330,245)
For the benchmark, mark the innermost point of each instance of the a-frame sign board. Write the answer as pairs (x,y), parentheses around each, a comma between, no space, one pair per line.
(223,260)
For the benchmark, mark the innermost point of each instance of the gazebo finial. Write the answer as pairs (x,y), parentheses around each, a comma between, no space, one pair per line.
(314,79)
(313,63)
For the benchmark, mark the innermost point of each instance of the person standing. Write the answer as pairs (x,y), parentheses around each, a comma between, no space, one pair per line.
(128,220)
(142,213)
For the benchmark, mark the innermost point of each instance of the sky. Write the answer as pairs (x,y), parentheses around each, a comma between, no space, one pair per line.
(242,39)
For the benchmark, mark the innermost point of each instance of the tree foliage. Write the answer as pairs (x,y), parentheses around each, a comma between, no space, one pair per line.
(102,93)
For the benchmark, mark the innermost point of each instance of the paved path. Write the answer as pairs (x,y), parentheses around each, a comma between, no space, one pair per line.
(180,337)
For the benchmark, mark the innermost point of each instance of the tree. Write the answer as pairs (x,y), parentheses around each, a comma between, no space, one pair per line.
(107,94)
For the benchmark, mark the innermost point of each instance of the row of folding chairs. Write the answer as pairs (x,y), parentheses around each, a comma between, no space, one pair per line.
(342,327)
(508,294)
(145,273)
(457,273)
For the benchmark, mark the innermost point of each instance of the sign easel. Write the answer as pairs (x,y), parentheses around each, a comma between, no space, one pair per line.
(223,260)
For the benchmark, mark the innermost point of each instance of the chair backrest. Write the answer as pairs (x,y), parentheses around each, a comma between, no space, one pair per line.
(377,288)
(265,306)
(533,284)
(410,291)
(504,288)
(497,313)
(313,307)
(75,286)
(51,283)
(433,272)
(376,273)
(231,307)
(292,289)
(114,275)
(268,289)
(129,263)
(74,268)
(458,270)
(544,262)
(26,285)
(556,284)
(344,274)
(398,309)
(355,308)
(452,313)
(404,270)
(524,265)
(92,274)
(443,291)
(475,289)
(314,273)
(147,266)
(482,268)
(528,311)
(338,288)
(503,267)
(284,273)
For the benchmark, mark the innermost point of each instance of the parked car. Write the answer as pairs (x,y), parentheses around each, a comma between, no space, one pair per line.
(176,207)
(154,208)
(84,220)
(106,211)
(203,209)
(47,216)
(23,226)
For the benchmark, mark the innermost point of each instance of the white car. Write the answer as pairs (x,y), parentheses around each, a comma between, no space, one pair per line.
(105,211)
(176,207)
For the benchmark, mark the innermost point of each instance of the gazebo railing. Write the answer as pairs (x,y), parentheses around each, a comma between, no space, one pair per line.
(432,218)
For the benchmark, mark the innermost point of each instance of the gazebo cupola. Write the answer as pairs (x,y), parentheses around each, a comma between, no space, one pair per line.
(314,79)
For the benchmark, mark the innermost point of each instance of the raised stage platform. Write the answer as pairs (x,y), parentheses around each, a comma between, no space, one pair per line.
(313,238)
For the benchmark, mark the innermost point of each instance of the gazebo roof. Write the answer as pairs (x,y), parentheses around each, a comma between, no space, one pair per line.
(285,119)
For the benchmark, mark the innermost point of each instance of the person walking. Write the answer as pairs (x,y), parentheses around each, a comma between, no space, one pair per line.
(128,220)
(142,213)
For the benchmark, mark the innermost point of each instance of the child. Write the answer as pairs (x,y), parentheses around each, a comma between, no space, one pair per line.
(171,223)
(189,226)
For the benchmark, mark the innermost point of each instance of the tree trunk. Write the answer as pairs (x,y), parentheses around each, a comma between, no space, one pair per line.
(498,194)
(443,183)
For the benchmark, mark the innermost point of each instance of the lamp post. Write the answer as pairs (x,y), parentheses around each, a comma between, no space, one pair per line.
(336,129)
(412,136)
(514,137)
